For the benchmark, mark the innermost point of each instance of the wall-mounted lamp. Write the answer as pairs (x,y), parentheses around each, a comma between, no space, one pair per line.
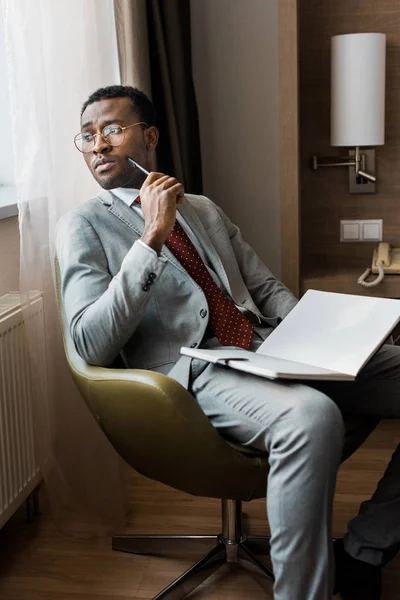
(357,101)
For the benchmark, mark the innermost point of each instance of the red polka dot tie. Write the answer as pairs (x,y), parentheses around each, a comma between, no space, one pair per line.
(230,326)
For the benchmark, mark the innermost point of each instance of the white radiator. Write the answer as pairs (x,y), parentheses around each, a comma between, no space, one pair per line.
(19,471)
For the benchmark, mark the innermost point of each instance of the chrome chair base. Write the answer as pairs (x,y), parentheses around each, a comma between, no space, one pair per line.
(231,546)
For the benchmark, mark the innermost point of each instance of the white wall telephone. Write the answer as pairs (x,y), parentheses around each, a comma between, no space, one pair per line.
(385,260)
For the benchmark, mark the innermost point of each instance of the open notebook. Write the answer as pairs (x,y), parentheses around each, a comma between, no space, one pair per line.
(326,336)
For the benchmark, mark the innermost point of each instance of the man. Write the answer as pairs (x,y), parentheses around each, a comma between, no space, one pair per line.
(143,276)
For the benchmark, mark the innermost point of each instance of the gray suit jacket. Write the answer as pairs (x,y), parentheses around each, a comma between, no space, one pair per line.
(120,299)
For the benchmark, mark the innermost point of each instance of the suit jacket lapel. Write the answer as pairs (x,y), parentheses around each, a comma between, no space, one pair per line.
(133,220)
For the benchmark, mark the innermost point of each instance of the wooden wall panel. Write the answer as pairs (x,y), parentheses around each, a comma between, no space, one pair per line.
(289,142)
(325,198)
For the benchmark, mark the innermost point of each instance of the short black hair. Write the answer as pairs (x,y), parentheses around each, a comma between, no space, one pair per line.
(141,103)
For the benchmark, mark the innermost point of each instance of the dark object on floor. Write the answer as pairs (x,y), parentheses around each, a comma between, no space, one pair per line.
(356,579)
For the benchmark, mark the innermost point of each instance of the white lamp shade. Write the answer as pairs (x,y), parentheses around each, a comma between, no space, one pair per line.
(358,89)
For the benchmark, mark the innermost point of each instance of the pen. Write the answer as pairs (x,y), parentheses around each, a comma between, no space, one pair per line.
(137,166)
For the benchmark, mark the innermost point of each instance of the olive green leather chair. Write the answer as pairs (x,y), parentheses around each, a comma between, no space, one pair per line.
(161,432)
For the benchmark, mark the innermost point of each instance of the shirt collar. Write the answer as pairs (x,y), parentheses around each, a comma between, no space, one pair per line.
(127,195)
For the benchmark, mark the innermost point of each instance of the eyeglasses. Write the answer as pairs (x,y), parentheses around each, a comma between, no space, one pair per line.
(113,135)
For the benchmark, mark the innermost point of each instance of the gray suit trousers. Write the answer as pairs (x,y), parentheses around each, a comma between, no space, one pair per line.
(301,428)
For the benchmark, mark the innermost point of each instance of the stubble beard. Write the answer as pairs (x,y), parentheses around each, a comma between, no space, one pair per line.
(127,178)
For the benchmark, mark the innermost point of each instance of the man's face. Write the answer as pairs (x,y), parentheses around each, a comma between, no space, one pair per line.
(108,164)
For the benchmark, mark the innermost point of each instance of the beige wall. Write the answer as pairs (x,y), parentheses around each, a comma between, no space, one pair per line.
(235,64)
(9,255)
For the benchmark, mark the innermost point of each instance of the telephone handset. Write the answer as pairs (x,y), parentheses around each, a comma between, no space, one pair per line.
(382,256)
(385,260)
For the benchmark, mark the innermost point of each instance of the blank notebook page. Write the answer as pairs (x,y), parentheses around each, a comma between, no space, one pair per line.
(339,332)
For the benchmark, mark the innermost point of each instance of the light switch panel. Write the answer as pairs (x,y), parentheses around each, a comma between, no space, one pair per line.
(361,230)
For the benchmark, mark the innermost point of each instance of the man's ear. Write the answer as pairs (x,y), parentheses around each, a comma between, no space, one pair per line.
(151,137)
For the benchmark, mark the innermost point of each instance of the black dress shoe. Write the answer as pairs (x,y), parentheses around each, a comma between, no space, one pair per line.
(355,579)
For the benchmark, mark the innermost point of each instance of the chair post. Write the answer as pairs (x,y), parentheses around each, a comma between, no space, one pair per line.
(231,528)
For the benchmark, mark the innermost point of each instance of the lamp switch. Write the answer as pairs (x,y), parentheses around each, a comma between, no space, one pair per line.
(361,230)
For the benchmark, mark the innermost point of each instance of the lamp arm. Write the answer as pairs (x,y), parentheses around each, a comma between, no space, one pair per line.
(360,166)
(358,163)
(333,161)
(366,175)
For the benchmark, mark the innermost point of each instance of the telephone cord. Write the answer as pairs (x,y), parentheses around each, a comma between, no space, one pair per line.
(379,278)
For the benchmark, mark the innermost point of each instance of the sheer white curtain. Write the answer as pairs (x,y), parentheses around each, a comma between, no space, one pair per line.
(58,52)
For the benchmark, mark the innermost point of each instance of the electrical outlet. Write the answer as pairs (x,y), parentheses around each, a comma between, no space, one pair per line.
(361,230)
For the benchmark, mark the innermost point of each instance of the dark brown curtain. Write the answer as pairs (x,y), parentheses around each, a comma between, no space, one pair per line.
(154,44)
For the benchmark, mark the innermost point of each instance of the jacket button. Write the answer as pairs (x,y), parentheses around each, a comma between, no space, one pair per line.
(194,345)
(152,276)
(203,313)
(149,281)
(145,288)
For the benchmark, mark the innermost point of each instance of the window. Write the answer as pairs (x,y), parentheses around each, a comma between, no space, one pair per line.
(8,204)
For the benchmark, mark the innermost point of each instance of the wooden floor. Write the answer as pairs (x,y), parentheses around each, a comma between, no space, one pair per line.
(38,563)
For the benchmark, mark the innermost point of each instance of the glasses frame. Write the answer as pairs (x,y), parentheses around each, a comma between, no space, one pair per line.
(94,135)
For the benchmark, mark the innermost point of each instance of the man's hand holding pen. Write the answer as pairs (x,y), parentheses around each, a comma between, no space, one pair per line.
(159,196)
